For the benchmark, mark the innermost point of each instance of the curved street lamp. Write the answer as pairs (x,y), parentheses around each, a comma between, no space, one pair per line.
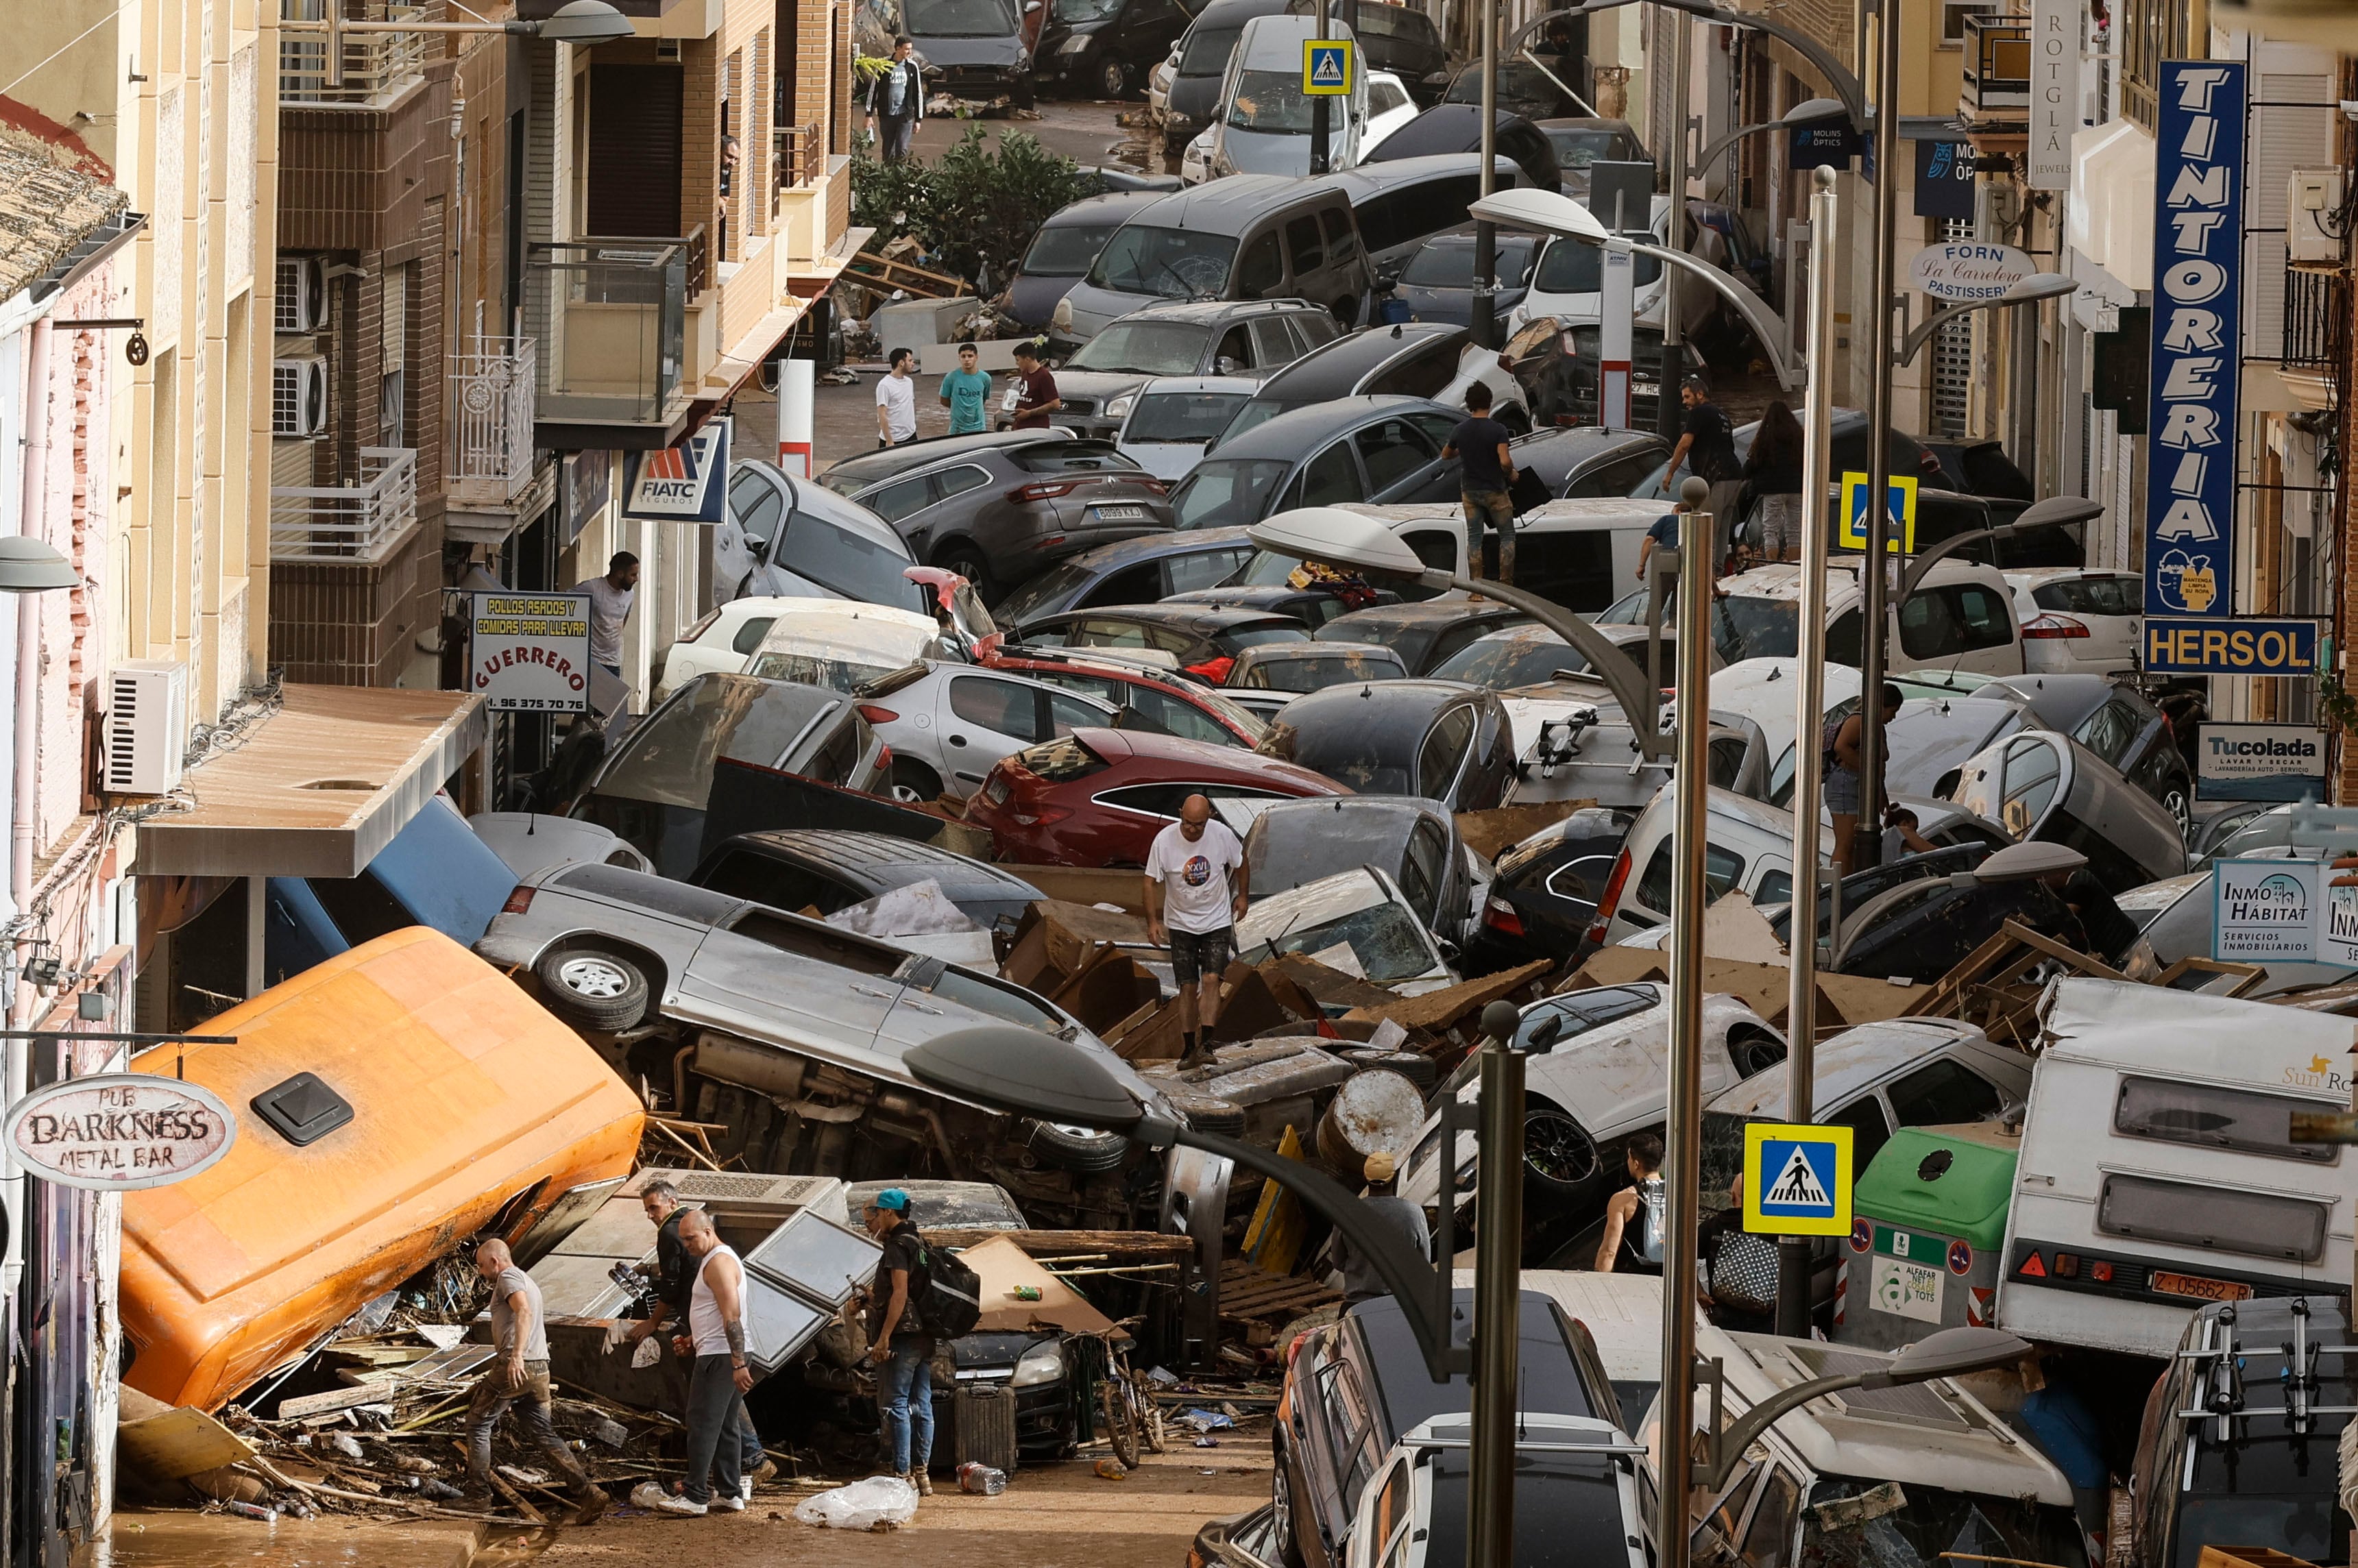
(2030,290)
(579,22)
(1837,75)
(1802,113)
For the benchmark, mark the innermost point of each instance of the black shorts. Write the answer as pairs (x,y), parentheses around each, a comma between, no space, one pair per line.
(1197,953)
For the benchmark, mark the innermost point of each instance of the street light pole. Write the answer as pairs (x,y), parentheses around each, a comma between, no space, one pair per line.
(1669,412)
(1808,717)
(1866,848)
(1682,1161)
(1498,1272)
(1319,156)
(1485,234)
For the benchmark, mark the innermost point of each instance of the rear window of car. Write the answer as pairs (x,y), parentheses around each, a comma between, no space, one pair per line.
(1254,636)
(1061,761)
(1068,457)
(2092,596)
(660,894)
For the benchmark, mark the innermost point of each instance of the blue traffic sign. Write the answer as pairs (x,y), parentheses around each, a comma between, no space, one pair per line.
(1326,68)
(1797,1180)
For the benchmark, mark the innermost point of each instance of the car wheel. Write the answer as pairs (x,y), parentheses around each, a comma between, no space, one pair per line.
(592,989)
(913,784)
(1559,1157)
(1281,1506)
(1516,418)
(968,563)
(2174,801)
(1754,1053)
(1083,1150)
(1112,81)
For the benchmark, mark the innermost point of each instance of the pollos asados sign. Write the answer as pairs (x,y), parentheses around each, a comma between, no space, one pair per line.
(120,1131)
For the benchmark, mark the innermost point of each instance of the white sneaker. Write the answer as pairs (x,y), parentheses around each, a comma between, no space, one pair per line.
(729,1504)
(682,1506)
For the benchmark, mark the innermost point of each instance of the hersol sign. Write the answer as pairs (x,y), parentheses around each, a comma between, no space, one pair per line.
(119,1131)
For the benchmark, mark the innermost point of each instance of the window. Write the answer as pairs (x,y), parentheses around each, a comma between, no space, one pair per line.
(851,564)
(2111,730)
(1331,478)
(1342,244)
(1165,799)
(1394,452)
(901,498)
(1428,207)
(2092,596)
(1179,717)
(1869,1132)
(1260,272)
(1722,869)
(1438,428)
(749,636)
(1132,585)
(1206,568)
(1573,566)
(1444,753)
(1113,691)
(1952,18)
(1066,713)
(1100,631)
(781,885)
(1943,1094)
(1943,622)
(1302,239)
(1768,1538)
(1436,547)
(1273,342)
(2033,771)
(1726,758)
(1383,97)
(1776,887)
(1427,863)
(1236,347)
(2211,1117)
(833,761)
(1421,374)
(2220,1219)
(999,706)
(957,482)
(754,505)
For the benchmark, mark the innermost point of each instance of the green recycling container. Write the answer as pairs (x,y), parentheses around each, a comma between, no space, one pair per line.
(1928,1229)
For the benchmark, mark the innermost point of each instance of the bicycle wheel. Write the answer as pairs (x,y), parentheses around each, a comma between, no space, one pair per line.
(1121,1427)
(1149,1416)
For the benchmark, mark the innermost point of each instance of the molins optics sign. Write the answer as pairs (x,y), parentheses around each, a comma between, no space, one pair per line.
(2197,340)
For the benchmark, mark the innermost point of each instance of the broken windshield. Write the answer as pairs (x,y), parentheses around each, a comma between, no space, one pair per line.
(1170,263)
(1881,1524)
(1384,937)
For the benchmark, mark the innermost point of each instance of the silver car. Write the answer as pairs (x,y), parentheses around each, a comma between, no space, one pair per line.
(718,993)
(948,724)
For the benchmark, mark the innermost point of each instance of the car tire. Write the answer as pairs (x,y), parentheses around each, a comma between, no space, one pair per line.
(1558,1156)
(592,989)
(1025,93)
(969,564)
(1516,418)
(1113,81)
(1754,1053)
(1083,1150)
(913,784)
(1280,1504)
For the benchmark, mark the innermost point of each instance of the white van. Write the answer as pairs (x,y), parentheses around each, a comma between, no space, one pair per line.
(1568,279)
(1748,847)
(1961,617)
(1869,1477)
(1264,120)
(2158,1170)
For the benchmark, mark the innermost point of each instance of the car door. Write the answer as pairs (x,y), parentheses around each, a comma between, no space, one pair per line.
(1440,760)
(1273,342)
(751,977)
(1403,463)
(1331,478)
(981,718)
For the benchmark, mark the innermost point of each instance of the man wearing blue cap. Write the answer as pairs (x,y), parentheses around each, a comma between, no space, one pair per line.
(898,1344)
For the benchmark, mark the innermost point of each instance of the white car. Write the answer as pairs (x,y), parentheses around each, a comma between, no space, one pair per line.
(1359,922)
(1195,162)
(727,640)
(950,723)
(1175,419)
(1565,281)
(2079,620)
(1388,108)
(1158,87)
(843,647)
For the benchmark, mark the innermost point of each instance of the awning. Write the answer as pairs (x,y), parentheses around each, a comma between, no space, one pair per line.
(2111,217)
(319,787)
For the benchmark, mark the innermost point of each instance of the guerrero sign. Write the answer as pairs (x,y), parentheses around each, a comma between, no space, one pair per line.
(2198,328)
(120,1131)
(2259,761)
(530,651)
(1968,270)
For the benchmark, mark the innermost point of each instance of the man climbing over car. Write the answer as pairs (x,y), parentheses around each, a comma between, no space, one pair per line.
(1195,894)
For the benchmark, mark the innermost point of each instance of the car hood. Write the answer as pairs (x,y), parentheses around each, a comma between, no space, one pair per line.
(1094,308)
(1254,152)
(1194,97)
(1102,386)
(1032,299)
(947,54)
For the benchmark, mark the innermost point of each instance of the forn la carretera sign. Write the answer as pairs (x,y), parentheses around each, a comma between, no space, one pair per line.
(2197,340)
(1968,270)
(119,1131)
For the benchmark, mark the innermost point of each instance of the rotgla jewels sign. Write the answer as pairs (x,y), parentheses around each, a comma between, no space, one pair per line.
(119,1131)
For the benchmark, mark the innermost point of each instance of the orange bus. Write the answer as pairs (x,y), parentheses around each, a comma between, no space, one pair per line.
(390,1102)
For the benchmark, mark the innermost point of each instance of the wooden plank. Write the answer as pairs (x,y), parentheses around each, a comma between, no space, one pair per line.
(1057,1243)
(178,1443)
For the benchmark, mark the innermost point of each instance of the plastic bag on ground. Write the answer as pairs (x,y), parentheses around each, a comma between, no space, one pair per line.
(862,1504)
(646,1495)
(647,1355)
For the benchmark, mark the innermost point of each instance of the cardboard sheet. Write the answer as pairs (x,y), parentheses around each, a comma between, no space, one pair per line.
(1002,1266)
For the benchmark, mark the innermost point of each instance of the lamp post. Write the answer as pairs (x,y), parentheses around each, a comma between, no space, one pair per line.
(1843,80)
(1866,848)
(1802,113)
(2030,290)
(1343,538)
(583,22)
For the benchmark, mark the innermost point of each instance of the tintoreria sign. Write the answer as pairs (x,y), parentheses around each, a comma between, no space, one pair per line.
(119,1131)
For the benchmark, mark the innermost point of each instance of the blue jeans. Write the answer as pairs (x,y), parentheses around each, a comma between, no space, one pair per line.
(906,1395)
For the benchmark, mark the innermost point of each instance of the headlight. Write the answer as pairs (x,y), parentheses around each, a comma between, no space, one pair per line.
(1044,1363)
(1119,405)
(1074,45)
(1061,318)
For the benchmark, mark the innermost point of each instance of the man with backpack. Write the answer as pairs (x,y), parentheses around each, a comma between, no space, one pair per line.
(900,1343)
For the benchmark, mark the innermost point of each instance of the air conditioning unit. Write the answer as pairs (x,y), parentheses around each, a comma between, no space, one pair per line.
(298,398)
(299,302)
(2313,199)
(146,727)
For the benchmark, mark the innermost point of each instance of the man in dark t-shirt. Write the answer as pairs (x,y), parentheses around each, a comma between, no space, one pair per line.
(672,1274)
(1036,398)
(1485,475)
(1708,447)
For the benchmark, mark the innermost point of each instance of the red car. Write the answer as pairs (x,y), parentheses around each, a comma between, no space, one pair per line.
(1098,797)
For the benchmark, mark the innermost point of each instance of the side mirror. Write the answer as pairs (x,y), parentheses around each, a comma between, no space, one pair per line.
(1226,366)
(759,545)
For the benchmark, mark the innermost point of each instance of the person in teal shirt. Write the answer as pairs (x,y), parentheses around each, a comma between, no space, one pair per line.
(963,393)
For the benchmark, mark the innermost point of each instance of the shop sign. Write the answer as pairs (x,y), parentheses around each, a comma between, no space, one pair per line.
(530,651)
(2259,761)
(2057,27)
(2198,331)
(120,1131)
(2245,646)
(686,483)
(1944,180)
(2264,912)
(1968,270)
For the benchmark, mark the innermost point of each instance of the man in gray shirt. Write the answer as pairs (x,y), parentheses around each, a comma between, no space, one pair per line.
(1360,1281)
(519,1377)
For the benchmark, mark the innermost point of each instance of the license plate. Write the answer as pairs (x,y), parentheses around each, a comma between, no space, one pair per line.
(1119,513)
(996,791)
(2199,1287)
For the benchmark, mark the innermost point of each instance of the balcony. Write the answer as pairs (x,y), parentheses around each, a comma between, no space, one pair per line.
(490,398)
(355,524)
(2316,307)
(610,315)
(1996,96)
(378,66)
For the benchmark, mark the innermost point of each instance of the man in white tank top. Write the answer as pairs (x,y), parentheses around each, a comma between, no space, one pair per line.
(721,1376)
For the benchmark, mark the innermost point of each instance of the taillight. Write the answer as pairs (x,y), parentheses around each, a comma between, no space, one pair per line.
(875,714)
(518,901)
(1043,491)
(1042,816)
(1611,899)
(701,627)
(1212,672)
(883,759)
(2042,627)
(1500,916)
(1159,486)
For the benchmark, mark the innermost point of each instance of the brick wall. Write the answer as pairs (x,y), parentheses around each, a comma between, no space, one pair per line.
(356,625)
(358,179)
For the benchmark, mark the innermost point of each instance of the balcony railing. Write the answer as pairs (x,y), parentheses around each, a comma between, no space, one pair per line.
(491,400)
(2316,306)
(801,154)
(610,315)
(377,66)
(1997,67)
(347,524)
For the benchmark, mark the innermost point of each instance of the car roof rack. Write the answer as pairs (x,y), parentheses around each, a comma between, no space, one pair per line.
(2220,1394)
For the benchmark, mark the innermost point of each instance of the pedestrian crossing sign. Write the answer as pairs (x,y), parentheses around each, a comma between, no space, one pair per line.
(1797,1180)
(1901,499)
(1326,67)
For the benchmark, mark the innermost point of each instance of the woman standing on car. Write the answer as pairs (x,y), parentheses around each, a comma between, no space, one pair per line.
(1772,482)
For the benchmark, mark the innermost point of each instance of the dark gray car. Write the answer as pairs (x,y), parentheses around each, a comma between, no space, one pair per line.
(973,48)
(1437,284)
(1204,63)
(1136,571)
(1064,250)
(1415,359)
(1384,450)
(1231,337)
(999,509)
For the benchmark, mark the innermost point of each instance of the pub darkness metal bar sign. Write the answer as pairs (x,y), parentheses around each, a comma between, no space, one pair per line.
(2197,340)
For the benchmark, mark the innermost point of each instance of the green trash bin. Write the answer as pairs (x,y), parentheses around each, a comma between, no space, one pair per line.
(1928,1231)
